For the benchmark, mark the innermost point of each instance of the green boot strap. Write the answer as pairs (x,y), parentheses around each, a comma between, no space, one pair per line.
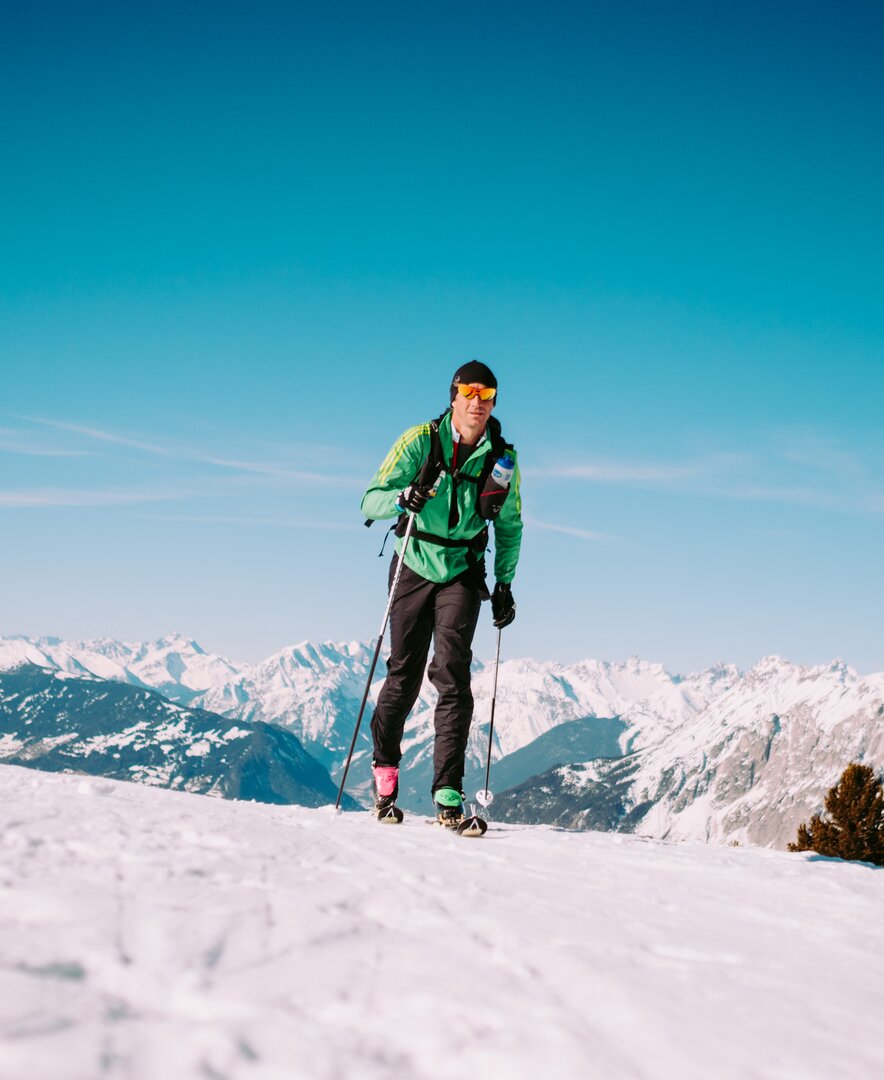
(447,796)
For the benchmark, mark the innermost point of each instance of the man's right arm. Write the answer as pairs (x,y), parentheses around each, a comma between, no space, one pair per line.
(397,471)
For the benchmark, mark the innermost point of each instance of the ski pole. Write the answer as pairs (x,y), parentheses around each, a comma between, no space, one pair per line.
(377,653)
(484,796)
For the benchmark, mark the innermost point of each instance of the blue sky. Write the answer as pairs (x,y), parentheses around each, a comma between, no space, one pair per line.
(244,246)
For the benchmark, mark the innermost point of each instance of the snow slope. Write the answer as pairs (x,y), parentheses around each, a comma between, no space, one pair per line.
(148,933)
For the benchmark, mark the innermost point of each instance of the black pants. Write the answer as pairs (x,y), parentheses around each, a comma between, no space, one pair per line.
(447,613)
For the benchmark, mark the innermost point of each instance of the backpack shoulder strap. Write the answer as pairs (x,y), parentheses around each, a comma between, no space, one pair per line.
(435,462)
(499,445)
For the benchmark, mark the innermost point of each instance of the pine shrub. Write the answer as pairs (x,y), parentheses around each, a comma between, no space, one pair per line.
(853,827)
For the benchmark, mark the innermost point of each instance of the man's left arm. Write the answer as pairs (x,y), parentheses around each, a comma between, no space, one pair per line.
(508,532)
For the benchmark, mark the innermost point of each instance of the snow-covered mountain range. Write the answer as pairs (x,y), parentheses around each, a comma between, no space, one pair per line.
(175,666)
(718,755)
(57,722)
(315,689)
(748,768)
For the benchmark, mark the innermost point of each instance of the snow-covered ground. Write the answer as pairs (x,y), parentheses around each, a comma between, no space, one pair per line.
(150,934)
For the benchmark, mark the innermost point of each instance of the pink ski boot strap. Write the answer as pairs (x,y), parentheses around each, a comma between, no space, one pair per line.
(386,777)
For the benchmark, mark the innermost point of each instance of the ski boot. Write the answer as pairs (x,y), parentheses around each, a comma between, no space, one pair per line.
(385,785)
(450,813)
(448,803)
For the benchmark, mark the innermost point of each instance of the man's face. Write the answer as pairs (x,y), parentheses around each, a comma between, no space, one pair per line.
(473,411)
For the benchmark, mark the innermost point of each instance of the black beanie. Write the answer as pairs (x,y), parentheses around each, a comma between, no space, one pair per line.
(473,371)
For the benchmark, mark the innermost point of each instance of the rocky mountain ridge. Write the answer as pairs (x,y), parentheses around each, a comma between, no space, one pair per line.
(747,769)
(58,722)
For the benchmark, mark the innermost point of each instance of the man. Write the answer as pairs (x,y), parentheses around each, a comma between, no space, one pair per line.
(442,583)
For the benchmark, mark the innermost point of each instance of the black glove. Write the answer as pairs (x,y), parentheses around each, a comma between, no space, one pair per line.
(503,606)
(413,499)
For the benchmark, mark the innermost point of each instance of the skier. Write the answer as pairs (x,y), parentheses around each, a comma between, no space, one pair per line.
(442,582)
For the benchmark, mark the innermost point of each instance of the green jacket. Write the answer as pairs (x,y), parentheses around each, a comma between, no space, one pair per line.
(432,561)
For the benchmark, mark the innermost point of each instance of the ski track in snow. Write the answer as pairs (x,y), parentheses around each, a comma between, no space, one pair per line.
(152,934)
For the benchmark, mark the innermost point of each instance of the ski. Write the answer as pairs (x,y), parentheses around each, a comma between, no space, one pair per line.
(390,815)
(471,827)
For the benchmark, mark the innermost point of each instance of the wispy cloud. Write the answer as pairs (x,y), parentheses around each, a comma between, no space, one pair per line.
(611,472)
(271,470)
(7,447)
(246,519)
(607,471)
(791,494)
(822,454)
(805,471)
(20,441)
(49,497)
(777,534)
(103,436)
(568,530)
(279,472)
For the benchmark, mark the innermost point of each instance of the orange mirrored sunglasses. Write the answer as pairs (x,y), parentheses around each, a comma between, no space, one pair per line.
(487,393)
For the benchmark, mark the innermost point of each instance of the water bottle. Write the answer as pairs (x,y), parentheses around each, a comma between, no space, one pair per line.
(493,495)
(503,470)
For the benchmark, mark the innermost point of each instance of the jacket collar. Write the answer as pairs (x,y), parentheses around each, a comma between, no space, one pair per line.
(452,435)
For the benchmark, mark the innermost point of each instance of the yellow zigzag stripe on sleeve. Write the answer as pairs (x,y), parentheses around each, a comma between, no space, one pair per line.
(517,493)
(399,447)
